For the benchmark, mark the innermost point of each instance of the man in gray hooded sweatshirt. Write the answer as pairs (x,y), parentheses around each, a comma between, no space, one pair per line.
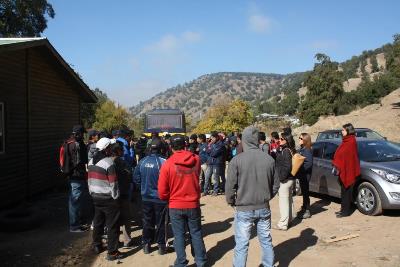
(250,185)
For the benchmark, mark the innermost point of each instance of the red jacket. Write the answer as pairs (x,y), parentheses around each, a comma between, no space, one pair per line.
(179,180)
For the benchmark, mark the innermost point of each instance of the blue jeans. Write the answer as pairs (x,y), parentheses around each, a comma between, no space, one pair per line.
(215,172)
(191,219)
(77,193)
(244,220)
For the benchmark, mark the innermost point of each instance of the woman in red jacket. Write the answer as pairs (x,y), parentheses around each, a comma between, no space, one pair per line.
(347,165)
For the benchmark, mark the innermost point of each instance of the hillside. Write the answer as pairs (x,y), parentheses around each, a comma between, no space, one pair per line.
(195,97)
(383,118)
(262,90)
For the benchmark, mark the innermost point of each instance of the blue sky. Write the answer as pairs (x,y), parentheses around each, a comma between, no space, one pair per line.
(135,49)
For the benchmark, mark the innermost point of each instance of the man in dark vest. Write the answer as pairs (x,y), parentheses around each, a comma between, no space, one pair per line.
(77,157)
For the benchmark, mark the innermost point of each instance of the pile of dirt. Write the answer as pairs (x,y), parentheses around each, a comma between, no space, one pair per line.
(383,118)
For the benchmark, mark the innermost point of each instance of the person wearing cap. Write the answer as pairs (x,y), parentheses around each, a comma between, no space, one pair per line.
(103,187)
(179,184)
(76,158)
(146,175)
(91,146)
(216,164)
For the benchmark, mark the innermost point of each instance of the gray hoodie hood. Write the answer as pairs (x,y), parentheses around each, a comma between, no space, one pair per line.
(250,138)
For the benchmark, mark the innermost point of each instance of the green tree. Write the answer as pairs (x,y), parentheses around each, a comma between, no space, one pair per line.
(24,18)
(325,88)
(393,61)
(110,116)
(88,110)
(289,104)
(226,116)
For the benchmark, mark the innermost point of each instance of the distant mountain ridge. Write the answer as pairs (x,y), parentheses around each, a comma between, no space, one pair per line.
(195,97)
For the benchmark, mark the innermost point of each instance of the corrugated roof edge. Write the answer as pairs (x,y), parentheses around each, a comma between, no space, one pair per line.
(23,43)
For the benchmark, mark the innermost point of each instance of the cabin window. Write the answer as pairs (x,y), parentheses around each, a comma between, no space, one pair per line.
(2,129)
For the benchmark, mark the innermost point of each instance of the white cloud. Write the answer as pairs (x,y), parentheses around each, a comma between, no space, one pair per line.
(259,23)
(170,43)
(191,37)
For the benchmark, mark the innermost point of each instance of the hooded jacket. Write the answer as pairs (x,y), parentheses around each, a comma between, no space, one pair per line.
(146,175)
(252,181)
(179,180)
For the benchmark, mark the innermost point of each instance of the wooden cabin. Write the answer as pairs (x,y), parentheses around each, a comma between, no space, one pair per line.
(40,99)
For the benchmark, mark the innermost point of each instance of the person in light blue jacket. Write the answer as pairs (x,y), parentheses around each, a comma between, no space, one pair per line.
(153,208)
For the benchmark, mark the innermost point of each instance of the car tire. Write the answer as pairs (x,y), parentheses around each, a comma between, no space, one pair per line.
(368,200)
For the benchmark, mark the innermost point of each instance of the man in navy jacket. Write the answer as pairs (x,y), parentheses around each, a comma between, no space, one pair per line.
(216,164)
(146,175)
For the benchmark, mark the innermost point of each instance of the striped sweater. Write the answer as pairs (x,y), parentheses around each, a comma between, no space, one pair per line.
(102,179)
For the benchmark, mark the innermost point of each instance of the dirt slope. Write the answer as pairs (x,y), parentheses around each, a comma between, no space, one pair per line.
(383,118)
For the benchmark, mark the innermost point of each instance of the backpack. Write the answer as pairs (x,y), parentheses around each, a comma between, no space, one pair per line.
(66,165)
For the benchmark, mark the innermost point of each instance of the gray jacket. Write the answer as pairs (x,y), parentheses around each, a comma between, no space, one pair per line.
(252,181)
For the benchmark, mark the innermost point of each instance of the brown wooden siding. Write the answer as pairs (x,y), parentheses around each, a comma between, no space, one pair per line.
(13,163)
(54,109)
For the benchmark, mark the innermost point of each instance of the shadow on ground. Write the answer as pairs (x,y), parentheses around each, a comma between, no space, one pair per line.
(51,244)
(288,250)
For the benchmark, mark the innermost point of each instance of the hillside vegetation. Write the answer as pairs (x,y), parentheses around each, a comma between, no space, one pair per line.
(331,88)
(383,117)
(195,97)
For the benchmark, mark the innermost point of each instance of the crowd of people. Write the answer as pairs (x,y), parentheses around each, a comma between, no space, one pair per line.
(172,173)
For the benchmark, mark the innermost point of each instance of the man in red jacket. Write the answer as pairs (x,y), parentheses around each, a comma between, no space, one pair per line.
(179,184)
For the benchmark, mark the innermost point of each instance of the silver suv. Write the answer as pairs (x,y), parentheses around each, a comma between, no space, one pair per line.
(376,189)
(360,133)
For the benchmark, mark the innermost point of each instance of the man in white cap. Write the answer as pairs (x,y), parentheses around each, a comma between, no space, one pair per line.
(103,187)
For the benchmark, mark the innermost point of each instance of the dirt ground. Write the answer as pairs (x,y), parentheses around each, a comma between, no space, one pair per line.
(302,245)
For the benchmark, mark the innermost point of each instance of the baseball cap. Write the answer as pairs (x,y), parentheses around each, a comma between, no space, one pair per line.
(178,140)
(103,143)
(78,129)
(93,132)
(156,144)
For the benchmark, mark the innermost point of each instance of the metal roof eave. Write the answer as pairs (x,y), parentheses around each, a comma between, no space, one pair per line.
(87,94)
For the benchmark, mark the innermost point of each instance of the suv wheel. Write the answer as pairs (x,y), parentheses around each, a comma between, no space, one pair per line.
(368,200)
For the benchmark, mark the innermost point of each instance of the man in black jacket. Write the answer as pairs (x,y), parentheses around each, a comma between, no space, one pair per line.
(77,157)
(251,184)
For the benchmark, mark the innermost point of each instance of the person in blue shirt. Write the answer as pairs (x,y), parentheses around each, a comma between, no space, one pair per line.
(129,152)
(154,210)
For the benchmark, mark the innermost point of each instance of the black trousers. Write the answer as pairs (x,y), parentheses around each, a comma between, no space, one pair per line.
(106,212)
(347,199)
(305,191)
(153,216)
